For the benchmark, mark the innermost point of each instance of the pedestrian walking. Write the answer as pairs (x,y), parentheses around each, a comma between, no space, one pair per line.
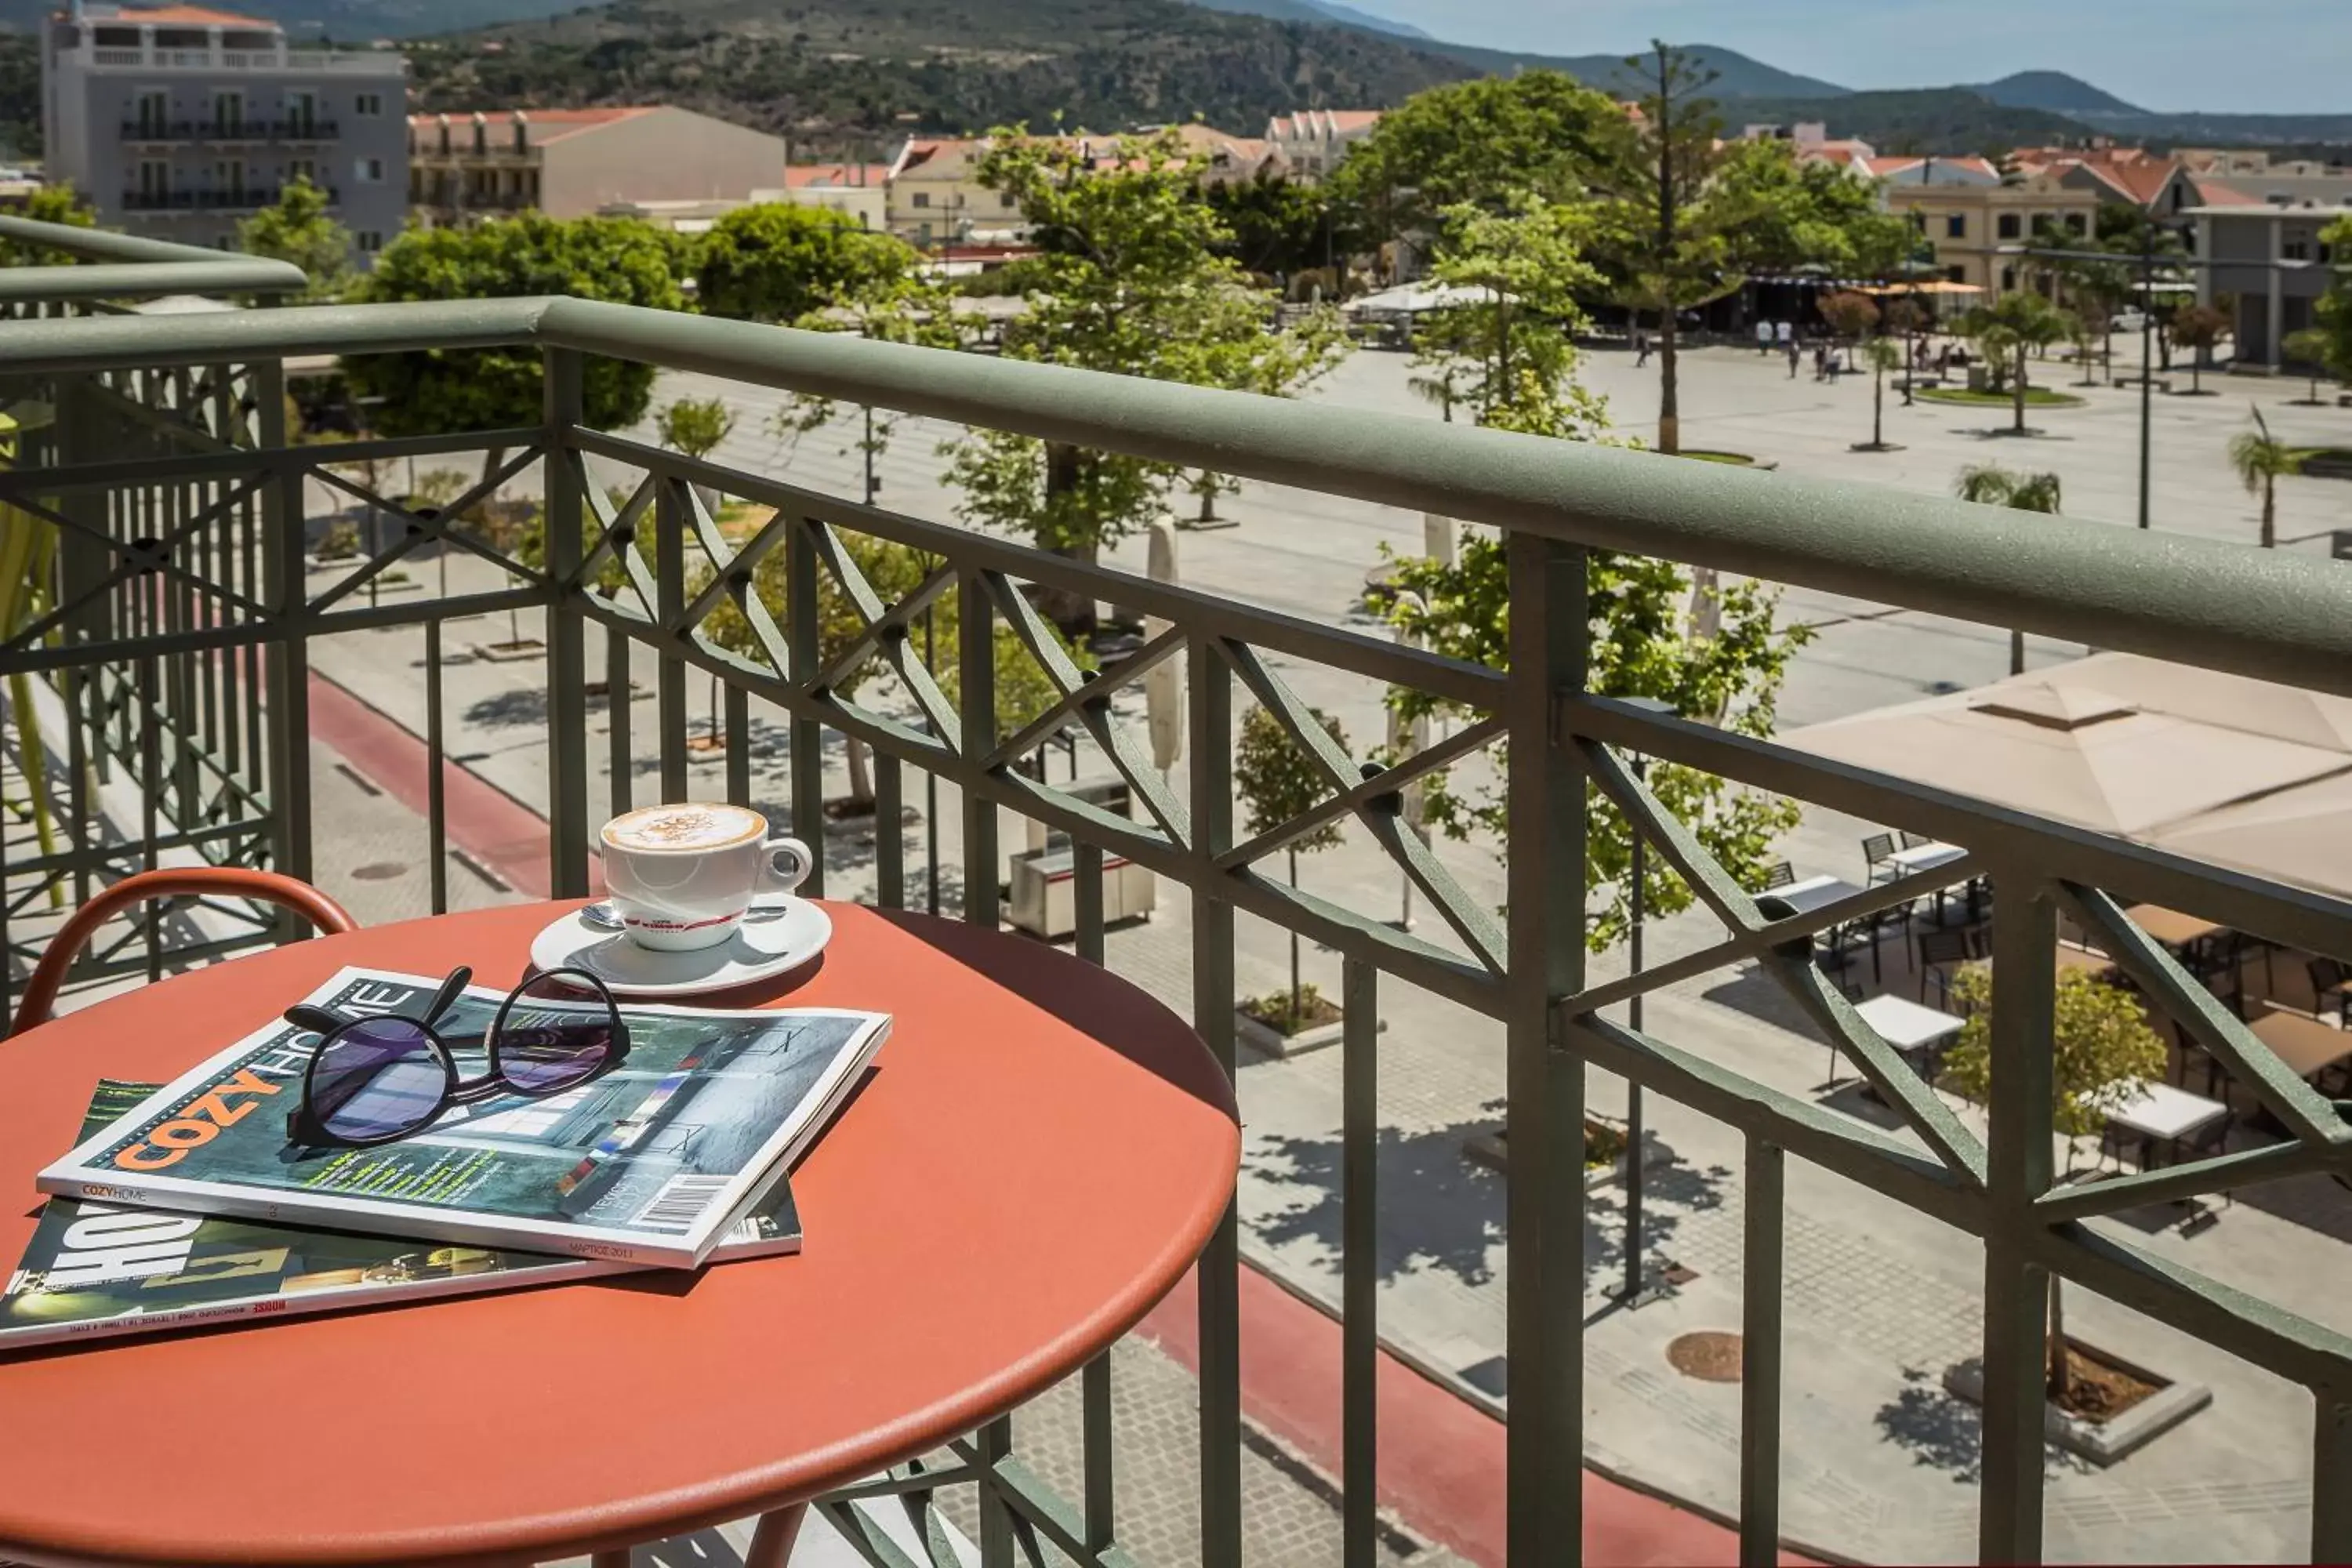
(1786,333)
(1822,363)
(1795,351)
(1763,337)
(1641,349)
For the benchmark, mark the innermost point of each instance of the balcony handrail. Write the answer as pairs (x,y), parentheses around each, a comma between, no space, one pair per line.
(2252,612)
(131,264)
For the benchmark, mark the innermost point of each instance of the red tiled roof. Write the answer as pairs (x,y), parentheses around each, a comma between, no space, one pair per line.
(801,176)
(2214,193)
(183,16)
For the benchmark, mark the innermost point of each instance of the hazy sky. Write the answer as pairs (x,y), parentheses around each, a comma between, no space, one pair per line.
(2251,56)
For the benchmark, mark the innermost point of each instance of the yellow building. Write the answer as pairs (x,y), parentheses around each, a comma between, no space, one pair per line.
(1976,222)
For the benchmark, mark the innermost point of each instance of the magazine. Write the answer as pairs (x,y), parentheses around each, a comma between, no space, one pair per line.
(94,1270)
(646,1164)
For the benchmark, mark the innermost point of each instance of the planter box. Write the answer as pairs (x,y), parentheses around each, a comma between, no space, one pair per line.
(1491,1148)
(530,648)
(1267,1040)
(2101,1442)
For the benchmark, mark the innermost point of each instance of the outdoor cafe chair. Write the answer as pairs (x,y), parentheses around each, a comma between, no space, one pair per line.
(2329,977)
(1781,875)
(1913,840)
(1938,948)
(39,1000)
(1876,852)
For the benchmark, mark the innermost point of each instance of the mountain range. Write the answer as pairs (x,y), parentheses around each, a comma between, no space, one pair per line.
(847,73)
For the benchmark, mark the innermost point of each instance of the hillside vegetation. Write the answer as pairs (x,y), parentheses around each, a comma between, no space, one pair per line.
(819,67)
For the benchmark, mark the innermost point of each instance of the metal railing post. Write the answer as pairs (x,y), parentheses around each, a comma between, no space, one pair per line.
(1210,683)
(288,702)
(567,657)
(1545,1119)
(2017,1162)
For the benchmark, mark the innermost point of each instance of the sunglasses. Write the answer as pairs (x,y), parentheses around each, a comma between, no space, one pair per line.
(379,1079)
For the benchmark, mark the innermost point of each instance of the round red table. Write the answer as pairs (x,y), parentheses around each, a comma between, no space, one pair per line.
(1038,1156)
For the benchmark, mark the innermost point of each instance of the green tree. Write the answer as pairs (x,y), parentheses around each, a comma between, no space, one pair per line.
(1669,226)
(2198,329)
(428,391)
(1642,646)
(2008,330)
(2261,460)
(2312,347)
(1809,214)
(1507,353)
(57,204)
(1132,278)
(1282,226)
(694,425)
(1485,142)
(1882,355)
(1990,484)
(1276,781)
(774,261)
(296,229)
(2333,315)
(2102,1049)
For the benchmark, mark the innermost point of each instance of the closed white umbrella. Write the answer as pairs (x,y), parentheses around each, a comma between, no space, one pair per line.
(1163,683)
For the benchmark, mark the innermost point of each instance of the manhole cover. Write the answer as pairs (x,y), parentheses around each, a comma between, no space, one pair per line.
(1709,1355)
(380,871)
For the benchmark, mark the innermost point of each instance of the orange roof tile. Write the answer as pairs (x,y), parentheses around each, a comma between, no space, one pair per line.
(802,176)
(183,16)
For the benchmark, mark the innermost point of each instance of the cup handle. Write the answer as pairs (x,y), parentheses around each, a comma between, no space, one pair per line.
(787,865)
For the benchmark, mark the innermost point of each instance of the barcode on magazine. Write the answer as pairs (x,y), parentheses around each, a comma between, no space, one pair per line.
(679,1203)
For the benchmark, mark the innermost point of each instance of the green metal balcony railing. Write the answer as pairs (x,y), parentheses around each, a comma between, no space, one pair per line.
(180,625)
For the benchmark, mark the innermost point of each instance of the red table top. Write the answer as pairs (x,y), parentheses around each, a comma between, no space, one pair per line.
(1038,1158)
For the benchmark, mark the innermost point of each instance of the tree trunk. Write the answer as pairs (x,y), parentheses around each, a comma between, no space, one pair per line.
(1670,408)
(2018,391)
(2055,1376)
(1295,1021)
(1074,613)
(2270,512)
(1877,404)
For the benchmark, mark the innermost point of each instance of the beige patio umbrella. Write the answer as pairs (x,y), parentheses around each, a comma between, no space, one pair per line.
(2214,697)
(2301,836)
(1163,683)
(2072,752)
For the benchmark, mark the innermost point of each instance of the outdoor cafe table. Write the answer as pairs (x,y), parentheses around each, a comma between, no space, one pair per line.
(1913,1030)
(2158,1112)
(1036,1159)
(2308,1046)
(2169,927)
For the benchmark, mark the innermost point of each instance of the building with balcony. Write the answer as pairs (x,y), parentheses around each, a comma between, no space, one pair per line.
(177,121)
(2268,266)
(1311,144)
(1974,218)
(573,162)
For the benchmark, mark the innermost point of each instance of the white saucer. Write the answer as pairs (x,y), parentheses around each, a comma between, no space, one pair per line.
(774,937)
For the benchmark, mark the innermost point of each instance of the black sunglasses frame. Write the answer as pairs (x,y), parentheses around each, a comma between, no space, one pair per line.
(305,1127)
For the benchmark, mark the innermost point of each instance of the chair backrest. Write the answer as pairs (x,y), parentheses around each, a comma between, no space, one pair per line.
(1782,874)
(1913,840)
(40,996)
(1944,947)
(1876,847)
(2326,973)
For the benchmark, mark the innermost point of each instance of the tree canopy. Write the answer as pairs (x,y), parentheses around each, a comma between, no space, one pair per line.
(47,203)
(1540,133)
(1134,277)
(1508,355)
(773,261)
(2333,314)
(1808,213)
(296,229)
(431,390)
(2101,1046)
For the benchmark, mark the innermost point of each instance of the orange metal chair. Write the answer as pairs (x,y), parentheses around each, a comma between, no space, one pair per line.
(329,918)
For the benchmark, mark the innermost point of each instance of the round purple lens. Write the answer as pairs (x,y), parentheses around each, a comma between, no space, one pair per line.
(377,1078)
(552,1034)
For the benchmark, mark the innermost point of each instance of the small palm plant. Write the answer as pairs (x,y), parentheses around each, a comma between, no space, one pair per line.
(1990,484)
(2261,460)
(2309,348)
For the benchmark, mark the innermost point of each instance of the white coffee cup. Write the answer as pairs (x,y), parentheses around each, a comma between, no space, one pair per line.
(683,877)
